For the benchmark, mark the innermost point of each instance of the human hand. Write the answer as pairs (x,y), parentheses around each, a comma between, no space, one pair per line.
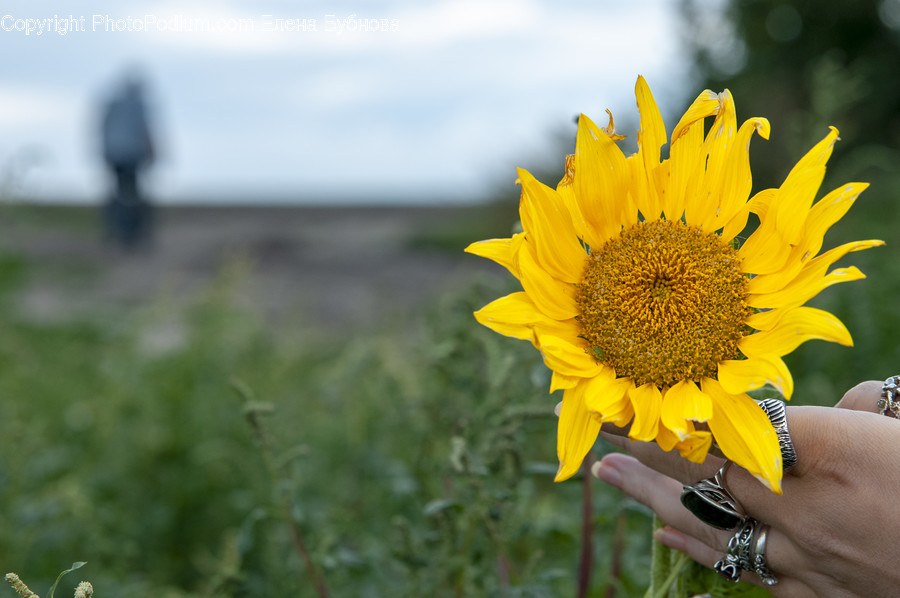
(833,531)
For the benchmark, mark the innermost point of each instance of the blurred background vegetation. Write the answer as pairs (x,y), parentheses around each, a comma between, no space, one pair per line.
(413,461)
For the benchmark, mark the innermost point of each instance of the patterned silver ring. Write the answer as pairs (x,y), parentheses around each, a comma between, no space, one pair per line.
(760,565)
(738,557)
(889,403)
(775,411)
(712,503)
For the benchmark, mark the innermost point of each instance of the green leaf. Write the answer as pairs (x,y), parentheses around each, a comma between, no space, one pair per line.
(437,506)
(75,565)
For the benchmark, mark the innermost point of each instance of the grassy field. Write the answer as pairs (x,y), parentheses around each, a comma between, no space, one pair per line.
(407,459)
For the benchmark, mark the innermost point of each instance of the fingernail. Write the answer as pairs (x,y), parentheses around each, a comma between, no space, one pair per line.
(607,473)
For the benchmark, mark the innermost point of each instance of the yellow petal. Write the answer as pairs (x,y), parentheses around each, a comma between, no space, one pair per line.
(652,131)
(647,402)
(702,210)
(686,165)
(601,179)
(584,229)
(548,225)
(686,160)
(766,320)
(796,194)
(498,250)
(666,438)
(696,446)
(726,185)
(513,315)
(567,358)
(683,402)
(577,432)
(765,250)
(744,433)
(562,382)
(639,197)
(743,375)
(607,396)
(738,222)
(811,279)
(567,329)
(693,447)
(736,180)
(797,294)
(795,327)
(762,201)
(553,297)
(706,104)
(822,216)
(828,211)
(651,138)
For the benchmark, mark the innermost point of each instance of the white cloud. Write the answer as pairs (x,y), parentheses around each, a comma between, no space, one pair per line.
(22,107)
(341,88)
(460,49)
(460,93)
(455,21)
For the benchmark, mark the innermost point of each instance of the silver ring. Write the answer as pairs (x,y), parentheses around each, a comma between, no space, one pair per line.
(760,565)
(889,403)
(738,555)
(775,411)
(712,503)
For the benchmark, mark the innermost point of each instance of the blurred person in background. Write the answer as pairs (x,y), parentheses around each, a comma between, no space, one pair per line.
(128,149)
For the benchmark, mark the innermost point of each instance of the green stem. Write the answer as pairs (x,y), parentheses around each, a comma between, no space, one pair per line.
(585,564)
(252,411)
(663,589)
(660,560)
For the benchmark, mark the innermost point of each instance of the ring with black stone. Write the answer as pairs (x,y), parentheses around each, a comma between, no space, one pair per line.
(711,502)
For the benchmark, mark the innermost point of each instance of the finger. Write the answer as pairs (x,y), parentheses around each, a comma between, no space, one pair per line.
(669,463)
(862,397)
(662,495)
(696,549)
(755,498)
(809,428)
(658,492)
(619,437)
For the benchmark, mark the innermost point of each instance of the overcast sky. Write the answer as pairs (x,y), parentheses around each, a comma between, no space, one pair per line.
(324,100)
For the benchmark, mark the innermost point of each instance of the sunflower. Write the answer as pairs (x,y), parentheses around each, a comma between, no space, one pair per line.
(644,302)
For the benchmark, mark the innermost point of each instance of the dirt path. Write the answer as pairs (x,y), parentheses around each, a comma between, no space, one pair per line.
(331,268)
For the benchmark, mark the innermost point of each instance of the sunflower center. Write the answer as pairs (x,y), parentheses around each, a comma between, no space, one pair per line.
(663,302)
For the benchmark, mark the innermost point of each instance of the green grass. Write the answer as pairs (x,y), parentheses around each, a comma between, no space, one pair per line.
(416,463)
(413,462)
